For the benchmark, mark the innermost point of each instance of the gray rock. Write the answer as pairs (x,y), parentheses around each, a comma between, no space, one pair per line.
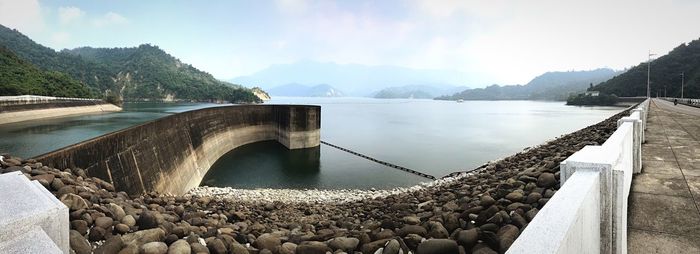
(437,230)
(198,248)
(507,235)
(129,220)
(529,215)
(78,243)
(121,228)
(74,202)
(438,246)
(268,241)
(57,184)
(237,248)
(179,247)
(515,196)
(412,229)
(483,249)
(486,201)
(392,247)
(468,238)
(79,225)
(411,220)
(546,180)
(288,248)
(347,244)
(154,248)
(111,246)
(312,247)
(104,222)
(96,234)
(117,211)
(371,247)
(216,246)
(130,249)
(533,197)
(144,236)
(147,220)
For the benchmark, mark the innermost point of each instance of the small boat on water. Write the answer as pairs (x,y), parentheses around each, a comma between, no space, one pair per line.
(460,101)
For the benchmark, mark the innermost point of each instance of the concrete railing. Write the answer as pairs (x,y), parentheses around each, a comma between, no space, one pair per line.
(684,101)
(36,99)
(588,214)
(32,220)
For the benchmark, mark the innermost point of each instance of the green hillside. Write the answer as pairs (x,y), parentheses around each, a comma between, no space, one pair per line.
(140,73)
(665,72)
(19,77)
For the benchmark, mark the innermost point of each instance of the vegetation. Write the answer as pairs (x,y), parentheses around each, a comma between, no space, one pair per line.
(260,93)
(665,75)
(549,86)
(18,77)
(141,73)
(589,100)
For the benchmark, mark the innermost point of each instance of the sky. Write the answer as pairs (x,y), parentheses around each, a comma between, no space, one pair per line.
(496,41)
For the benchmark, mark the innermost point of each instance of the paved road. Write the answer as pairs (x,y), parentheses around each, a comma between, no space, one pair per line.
(663,209)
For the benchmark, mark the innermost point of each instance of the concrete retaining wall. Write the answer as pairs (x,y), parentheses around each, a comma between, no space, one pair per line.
(30,107)
(588,214)
(172,154)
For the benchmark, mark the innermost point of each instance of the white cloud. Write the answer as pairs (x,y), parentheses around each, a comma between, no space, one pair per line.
(69,14)
(110,18)
(295,7)
(23,15)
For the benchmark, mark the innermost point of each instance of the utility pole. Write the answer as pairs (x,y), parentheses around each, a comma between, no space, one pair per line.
(665,91)
(682,81)
(648,75)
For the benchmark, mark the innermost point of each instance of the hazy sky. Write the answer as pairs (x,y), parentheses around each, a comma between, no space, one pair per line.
(504,42)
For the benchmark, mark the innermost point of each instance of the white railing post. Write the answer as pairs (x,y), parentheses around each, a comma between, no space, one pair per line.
(590,158)
(637,140)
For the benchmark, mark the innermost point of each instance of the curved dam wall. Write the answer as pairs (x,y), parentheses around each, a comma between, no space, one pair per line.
(172,154)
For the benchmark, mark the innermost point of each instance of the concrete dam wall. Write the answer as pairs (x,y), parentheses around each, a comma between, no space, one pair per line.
(172,154)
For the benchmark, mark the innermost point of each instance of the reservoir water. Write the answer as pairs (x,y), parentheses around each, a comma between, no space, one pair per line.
(434,137)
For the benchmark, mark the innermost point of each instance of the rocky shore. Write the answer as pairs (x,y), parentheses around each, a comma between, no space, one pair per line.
(482,211)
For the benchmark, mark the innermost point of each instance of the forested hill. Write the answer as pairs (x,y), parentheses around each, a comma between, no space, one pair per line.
(548,86)
(665,72)
(141,73)
(18,77)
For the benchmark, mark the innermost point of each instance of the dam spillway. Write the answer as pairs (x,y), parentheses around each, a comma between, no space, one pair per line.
(172,154)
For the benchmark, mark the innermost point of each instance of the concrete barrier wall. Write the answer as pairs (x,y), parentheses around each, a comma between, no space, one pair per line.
(684,101)
(588,214)
(36,99)
(172,154)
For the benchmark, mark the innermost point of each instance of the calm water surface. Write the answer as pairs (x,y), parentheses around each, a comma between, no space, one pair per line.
(435,137)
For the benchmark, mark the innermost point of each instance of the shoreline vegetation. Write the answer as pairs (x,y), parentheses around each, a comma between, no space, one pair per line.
(482,211)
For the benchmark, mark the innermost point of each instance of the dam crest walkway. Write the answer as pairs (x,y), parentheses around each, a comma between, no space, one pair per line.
(664,202)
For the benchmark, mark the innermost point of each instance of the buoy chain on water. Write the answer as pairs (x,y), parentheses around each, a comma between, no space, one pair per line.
(379,161)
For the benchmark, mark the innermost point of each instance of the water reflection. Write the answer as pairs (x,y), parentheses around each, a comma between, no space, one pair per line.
(266,164)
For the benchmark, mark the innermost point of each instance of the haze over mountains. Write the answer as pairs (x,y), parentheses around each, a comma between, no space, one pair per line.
(548,86)
(351,79)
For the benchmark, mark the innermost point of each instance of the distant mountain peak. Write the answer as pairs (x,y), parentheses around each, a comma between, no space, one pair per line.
(354,79)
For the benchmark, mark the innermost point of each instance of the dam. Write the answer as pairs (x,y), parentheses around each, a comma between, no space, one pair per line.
(172,154)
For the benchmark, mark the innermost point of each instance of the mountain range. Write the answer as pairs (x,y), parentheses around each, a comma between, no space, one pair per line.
(299,90)
(548,86)
(352,79)
(417,91)
(145,72)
